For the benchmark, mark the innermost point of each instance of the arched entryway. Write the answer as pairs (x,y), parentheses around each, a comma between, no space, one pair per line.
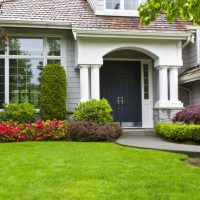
(125,83)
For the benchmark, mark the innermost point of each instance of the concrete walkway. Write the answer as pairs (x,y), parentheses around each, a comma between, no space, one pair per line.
(150,140)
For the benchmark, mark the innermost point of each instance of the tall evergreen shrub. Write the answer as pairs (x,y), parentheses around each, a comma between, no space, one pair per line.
(53,92)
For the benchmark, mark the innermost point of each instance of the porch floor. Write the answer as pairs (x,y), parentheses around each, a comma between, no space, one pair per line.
(150,140)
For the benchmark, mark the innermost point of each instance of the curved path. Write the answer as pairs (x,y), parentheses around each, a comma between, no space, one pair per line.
(149,140)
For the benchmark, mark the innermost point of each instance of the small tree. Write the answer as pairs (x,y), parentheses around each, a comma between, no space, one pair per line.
(53,92)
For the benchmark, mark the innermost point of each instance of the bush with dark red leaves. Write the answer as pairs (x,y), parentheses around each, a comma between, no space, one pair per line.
(92,132)
(189,115)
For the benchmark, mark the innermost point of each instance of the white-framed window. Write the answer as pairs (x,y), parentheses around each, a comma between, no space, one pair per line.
(122,5)
(21,64)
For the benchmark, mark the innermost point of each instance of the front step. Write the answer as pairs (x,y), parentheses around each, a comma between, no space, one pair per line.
(138,131)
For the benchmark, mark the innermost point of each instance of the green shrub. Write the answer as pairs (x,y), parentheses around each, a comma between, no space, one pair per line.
(179,132)
(53,92)
(98,111)
(92,132)
(18,112)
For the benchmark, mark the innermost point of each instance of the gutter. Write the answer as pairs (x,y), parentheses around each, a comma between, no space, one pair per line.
(132,34)
(35,24)
(189,39)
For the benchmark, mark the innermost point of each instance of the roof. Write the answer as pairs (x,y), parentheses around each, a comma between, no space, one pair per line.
(189,75)
(81,16)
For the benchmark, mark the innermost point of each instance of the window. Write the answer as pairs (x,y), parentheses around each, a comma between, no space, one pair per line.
(113,4)
(146,81)
(124,5)
(26,57)
(131,4)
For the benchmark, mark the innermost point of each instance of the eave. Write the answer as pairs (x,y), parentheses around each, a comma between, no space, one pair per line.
(132,34)
(189,78)
(35,24)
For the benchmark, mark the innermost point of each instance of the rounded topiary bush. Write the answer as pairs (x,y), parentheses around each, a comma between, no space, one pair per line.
(98,111)
(189,115)
(53,92)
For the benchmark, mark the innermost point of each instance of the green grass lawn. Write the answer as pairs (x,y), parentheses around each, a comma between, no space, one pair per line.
(91,171)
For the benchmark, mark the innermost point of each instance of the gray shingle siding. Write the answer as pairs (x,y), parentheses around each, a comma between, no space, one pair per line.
(195,92)
(73,86)
(190,56)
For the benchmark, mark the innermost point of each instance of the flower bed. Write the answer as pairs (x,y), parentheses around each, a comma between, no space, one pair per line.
(39,131)
(58,130)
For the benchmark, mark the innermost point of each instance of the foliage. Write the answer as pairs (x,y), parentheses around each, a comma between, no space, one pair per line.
(97,111)
(53,92)
(179,132)
(39,131)
(186,9)
(18,112)
(92,132)
(190,115)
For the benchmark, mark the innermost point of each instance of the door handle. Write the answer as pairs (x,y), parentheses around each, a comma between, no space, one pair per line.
(118,103)
(122,103)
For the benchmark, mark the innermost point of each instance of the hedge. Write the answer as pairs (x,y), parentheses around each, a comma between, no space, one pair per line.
(53,92)
(179,132)
(92,132)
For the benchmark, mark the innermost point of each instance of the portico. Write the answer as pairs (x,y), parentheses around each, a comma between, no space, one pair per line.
(159,103)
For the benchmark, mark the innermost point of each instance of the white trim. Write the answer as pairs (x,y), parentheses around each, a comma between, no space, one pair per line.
(189,78)
(35,24)
(147,104)
(167,35)
(198,45)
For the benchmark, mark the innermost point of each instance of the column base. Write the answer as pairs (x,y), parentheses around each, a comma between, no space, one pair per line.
(164,115)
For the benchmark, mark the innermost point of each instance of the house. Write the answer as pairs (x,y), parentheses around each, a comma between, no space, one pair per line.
(106,54)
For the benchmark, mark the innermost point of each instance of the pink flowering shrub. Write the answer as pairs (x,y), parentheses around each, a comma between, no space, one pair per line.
(190,115)
(39,131)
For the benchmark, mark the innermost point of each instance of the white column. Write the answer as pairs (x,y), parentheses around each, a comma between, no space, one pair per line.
(84,83)
(163,87)
(174,102)
(95,82)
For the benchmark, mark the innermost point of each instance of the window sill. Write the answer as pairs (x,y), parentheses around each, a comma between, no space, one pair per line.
(122,13)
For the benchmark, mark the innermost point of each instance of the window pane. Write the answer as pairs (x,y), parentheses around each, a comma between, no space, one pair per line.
(2,82)
(24,80)
(146,81)
(26,46)
(53,46)
(113,4)
(131,4)
(52,61)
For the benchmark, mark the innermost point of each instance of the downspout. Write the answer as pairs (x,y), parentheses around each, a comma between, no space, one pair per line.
(189,92)
(189,39)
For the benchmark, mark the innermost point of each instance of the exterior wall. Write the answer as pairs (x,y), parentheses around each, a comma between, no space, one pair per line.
(195,92)
(190,56)
(73,91)
(184,96)
(68,60)
(92,50)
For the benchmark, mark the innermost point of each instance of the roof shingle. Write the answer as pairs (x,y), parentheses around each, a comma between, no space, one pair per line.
(81,16)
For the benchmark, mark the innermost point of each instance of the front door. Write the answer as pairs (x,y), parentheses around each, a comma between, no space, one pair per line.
(121,86)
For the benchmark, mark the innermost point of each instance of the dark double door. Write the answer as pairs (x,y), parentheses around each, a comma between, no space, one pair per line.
(121,86)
